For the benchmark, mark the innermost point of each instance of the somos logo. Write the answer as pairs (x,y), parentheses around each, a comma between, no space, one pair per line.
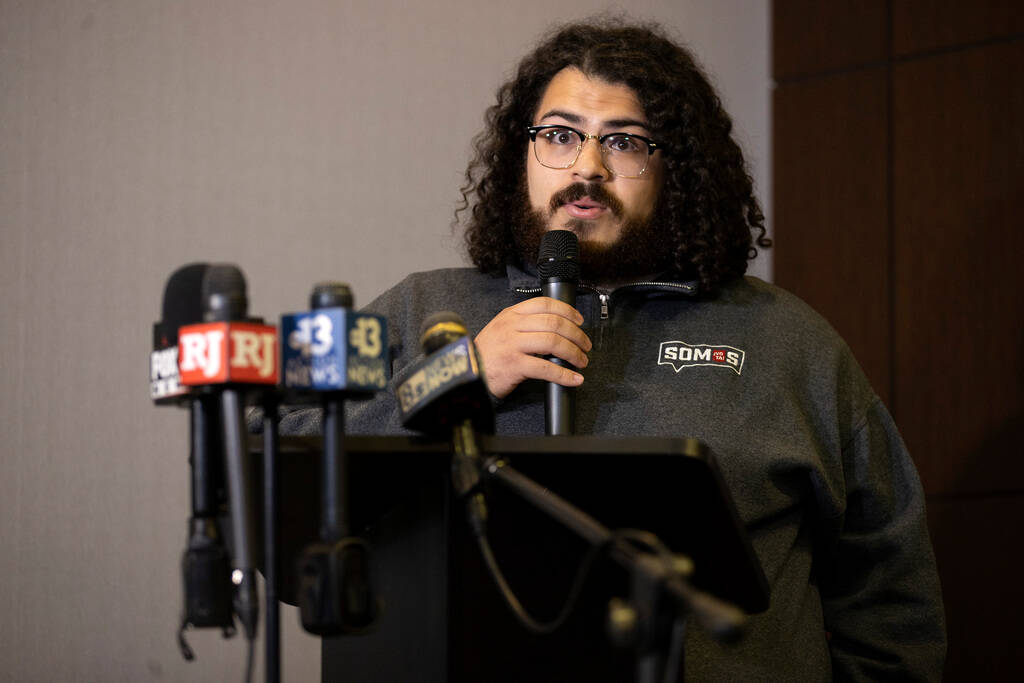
(682,355)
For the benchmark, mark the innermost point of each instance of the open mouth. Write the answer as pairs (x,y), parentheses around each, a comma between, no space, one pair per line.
(585,208)
(585,201)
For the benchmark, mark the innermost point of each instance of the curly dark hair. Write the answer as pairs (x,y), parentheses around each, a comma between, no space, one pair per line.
(707,197)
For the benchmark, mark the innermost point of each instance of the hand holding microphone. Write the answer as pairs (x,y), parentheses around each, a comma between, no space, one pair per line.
(539,338)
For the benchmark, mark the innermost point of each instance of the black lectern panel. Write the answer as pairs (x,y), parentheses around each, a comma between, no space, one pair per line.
(442,618)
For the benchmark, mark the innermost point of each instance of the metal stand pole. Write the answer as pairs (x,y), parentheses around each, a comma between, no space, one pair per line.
(272,673)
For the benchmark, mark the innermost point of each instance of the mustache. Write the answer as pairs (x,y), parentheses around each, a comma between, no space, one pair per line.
(577,191)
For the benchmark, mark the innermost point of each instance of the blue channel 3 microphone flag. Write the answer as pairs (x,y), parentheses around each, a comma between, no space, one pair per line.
(334,349)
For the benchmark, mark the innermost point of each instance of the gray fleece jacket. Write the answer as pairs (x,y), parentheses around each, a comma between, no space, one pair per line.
(829,495)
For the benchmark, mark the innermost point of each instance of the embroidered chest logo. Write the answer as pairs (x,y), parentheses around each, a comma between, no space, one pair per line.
(682,355)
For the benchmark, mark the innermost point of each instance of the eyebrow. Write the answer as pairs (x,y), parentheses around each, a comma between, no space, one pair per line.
(577,119)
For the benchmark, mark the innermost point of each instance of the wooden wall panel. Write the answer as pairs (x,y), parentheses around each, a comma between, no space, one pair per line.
(830,207)
(977,549)
(952,179)
(921,25)
(809,36)
(958,179)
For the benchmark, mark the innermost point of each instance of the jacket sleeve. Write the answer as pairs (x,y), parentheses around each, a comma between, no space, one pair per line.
(879,585)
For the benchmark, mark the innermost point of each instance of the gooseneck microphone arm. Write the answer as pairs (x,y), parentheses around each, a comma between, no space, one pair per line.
(657,582)
(466,464)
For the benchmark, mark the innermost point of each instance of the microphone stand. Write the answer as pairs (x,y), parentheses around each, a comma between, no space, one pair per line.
(336,591)
(658,585)
(272,638)
(334,500)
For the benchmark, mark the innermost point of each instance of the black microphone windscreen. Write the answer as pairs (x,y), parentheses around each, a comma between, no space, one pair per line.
(331,295)
(440,329)
(559,255)
(183,300)
(224,297)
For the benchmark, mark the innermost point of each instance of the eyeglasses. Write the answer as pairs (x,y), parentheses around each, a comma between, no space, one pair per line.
(624,154)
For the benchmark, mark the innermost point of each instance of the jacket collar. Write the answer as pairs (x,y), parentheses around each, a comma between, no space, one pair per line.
(524,279)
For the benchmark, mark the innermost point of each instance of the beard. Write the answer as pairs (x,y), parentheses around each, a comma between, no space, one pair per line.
(638,252)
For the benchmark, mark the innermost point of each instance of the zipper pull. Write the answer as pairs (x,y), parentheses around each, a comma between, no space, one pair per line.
(604,304)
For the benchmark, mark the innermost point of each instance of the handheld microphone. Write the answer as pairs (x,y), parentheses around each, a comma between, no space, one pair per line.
(227,354)
(206,567)
(558,264)
(337,354)
(446,393)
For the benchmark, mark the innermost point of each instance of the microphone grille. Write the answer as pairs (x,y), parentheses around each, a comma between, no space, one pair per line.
(224,295)
(440,329)
(331,295)
(559,255)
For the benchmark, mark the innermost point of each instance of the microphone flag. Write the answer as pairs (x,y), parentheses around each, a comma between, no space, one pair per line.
(334,349)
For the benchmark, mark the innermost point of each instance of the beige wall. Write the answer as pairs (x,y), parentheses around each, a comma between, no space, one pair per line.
(303,140)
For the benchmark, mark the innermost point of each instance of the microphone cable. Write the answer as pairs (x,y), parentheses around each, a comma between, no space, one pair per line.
(525,618)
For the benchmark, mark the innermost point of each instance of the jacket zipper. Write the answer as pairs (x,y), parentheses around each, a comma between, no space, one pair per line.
(606,297)
(603,297)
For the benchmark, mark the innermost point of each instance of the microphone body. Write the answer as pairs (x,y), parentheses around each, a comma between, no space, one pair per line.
(446,393)
(205,564)
(328,354)
(559,270)
(227,356)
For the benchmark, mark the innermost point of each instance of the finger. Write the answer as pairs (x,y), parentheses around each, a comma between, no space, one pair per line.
(552,344)
(538,368)
(547,322)
(545,304)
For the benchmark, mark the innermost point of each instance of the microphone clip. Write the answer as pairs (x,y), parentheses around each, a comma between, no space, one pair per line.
(336,594)
(206,571)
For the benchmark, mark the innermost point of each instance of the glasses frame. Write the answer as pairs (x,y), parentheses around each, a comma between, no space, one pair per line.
(652,146)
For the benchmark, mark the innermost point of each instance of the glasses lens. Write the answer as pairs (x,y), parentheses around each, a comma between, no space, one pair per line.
(624,155)
(557,147)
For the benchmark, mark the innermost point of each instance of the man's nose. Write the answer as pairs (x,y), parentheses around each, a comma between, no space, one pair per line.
(590,164)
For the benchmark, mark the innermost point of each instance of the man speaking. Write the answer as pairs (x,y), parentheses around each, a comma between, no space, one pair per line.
(611,131)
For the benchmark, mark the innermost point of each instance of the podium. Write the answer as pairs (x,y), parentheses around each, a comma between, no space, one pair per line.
(442,619)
